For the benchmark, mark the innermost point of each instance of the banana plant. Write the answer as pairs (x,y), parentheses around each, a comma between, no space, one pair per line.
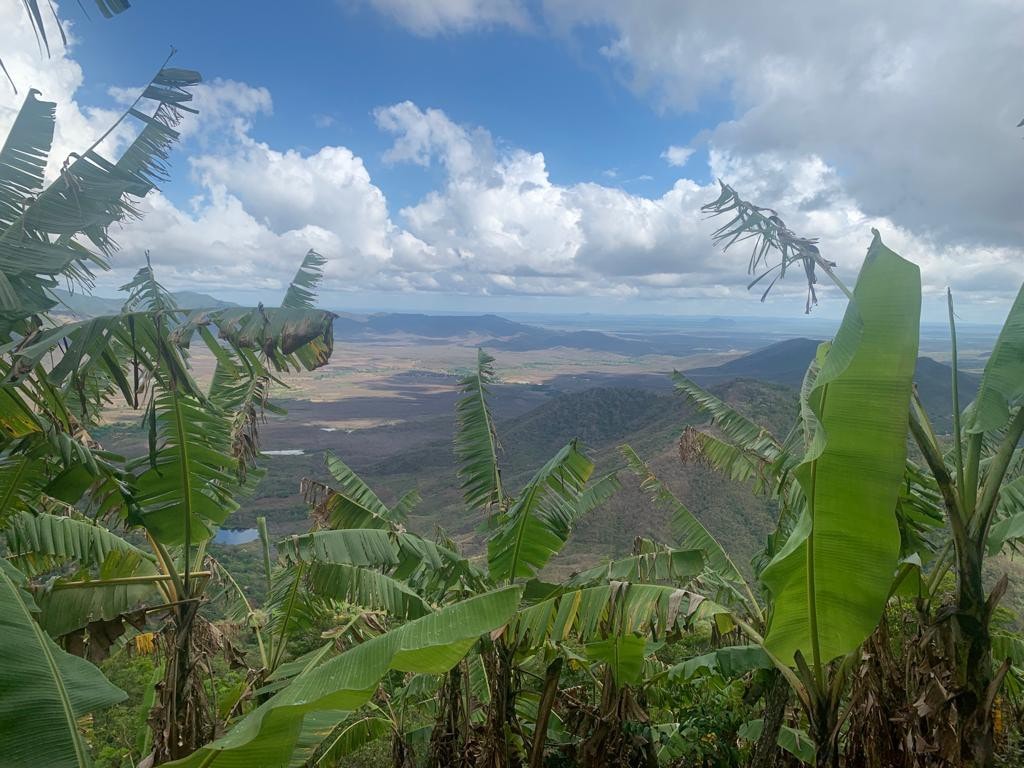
(975,481)
(56,482)
(432,644)
(360,553)
(46,689)
(743,451)
(855,417)
(48,461)
(979,480)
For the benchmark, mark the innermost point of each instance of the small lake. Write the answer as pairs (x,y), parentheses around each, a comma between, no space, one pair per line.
(235,536)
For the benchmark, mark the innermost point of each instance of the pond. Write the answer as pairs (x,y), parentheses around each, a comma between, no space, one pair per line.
(235,536)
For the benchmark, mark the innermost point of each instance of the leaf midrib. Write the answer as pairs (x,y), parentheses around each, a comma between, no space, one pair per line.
(81,756)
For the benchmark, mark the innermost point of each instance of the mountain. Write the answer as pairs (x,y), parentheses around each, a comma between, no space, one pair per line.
(85,305)
(935,388)
(782,363)
(786,362)
(596,341)
(427,326)
(500,334)
(196,300)
(599,418)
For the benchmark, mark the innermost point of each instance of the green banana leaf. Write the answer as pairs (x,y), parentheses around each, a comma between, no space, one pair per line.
(43,690)
(624,655)
(476,443)
(431,645)
(831,580)
(40,543)
(538,524)
(667,565)
(730,661)
(1002,384)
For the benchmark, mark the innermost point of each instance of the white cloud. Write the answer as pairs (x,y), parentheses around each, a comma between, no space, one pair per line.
(57,79)
(916,109)
(499,225)
(913,115)
(262,208)
(433,17)
(677,156)
(506,227)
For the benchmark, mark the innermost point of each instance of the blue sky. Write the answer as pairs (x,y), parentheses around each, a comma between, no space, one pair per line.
(329,66)
(511,155)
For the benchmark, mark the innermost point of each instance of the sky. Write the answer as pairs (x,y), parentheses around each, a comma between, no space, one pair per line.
(552,156)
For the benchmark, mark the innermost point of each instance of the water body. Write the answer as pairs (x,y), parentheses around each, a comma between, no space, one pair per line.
(285,452)
(235,536)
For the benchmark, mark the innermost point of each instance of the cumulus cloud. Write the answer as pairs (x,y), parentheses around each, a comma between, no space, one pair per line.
(498,224)
(502,223)
(918,113)
(915,117)
(261,208)
(433,17)
(677,156)
(57,79)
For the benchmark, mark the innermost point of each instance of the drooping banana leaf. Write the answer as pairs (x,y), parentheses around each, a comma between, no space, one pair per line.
(288,336)
(185,489)
(619,607)
(668,565)
(45,690)
(1002,383)
(367,588)
(538,524)
(351,546)
(432,644)
(831,580)
(476,441)
(39,543)
(729,661)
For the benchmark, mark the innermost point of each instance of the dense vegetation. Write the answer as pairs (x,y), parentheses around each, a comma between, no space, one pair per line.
(868,631)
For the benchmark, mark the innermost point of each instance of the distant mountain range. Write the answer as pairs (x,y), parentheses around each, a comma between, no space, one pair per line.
(500,334)
(83,305)
(429,326)
(787,361)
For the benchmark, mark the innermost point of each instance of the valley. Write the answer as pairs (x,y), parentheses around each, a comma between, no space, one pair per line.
(385,406)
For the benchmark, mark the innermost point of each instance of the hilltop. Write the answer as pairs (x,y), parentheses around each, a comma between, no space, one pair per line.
(86,305)
(786,362)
